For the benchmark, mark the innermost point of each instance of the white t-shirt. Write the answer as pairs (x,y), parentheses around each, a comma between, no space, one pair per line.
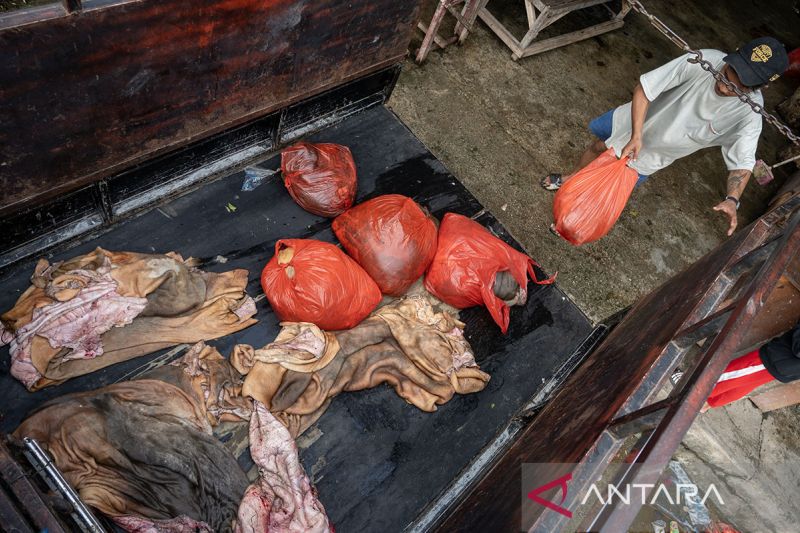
(686,114)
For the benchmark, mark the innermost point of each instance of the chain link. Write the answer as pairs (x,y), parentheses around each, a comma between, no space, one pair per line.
(708,67)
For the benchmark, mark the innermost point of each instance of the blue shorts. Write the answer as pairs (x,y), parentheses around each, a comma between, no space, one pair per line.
(601,128)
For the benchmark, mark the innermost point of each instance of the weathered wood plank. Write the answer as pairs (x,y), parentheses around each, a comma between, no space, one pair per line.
(530,11)
(88,94)
(783,395)
(567,5)
(569,38)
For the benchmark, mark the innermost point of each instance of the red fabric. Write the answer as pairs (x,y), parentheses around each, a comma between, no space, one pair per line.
(729,390)
(794,64)
(721,527)
(320,177)
(467,260)
(391,237)
(588,205)
(318,284)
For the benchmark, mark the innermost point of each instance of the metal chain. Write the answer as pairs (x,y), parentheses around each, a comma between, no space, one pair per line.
(707,66)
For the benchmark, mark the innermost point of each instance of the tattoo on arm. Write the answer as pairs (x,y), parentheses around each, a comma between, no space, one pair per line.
(737,181)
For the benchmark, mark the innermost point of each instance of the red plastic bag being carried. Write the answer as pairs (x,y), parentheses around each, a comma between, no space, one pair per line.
(588,205)
(320,177)
(314,281)
(467,262)
(391,237)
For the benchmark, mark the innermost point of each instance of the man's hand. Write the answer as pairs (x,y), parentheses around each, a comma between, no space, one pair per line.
(737,181)
(632,148)
(729,208)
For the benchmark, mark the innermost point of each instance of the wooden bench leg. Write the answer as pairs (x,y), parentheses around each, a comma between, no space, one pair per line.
(626,7)
(470,15)
(536,23)
(431,32)
(530,11)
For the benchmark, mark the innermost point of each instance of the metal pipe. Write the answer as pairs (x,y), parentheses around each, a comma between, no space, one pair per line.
(45,463)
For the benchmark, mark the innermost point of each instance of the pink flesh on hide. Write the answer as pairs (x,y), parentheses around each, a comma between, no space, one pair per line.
(282,500)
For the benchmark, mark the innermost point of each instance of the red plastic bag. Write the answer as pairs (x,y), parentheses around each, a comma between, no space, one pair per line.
(391,237)
(467,260)
(314,281)
(588,205)
(320,177)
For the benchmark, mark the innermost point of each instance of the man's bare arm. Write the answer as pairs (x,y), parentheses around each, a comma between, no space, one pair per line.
(737,181)
(639,105)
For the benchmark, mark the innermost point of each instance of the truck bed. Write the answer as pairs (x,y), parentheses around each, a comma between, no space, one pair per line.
(376,461)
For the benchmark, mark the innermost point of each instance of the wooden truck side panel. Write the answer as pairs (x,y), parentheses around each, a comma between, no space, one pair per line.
(87,94)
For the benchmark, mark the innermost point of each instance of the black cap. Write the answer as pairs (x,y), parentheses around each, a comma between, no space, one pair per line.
(759,62)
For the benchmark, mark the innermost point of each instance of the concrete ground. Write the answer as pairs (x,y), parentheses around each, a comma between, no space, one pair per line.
(501,125)
(753,459)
